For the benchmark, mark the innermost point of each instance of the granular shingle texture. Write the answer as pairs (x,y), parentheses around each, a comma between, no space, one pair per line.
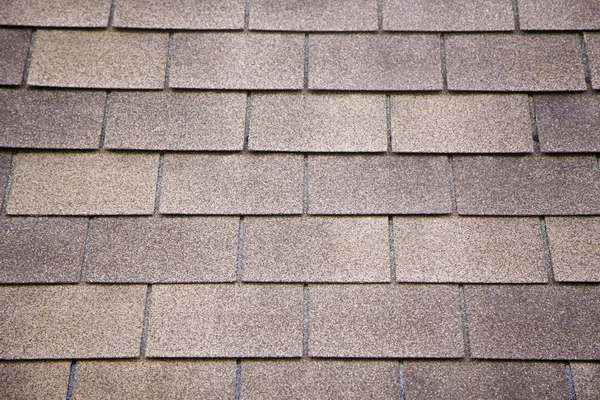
(374,321)
(99,59)
(508,62)
(70,322)
(5,169)
(176,121)
(441,15)
(368,62)
(320,380)
(318,123)
(67,13)
(321,249)
(433,380)
(48,119)
(559,14)
(237,61)
(34,380)
(225,321)
(76,183)
(14,44)
(587,380)
(480,249)
(41,249)
(155,380)
(534,322)
(592,41)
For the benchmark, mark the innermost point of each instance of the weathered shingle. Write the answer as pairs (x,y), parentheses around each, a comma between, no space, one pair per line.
(592,41)
(318,123)
(67,13)
(34,380)
(14,44)
(99,59)
(5,169)
(586,377)
(237,61)
(385,321)
(534,322)
(225,321)
(72,321)
(559,14)
(369,62)
(46,119)
(506,62)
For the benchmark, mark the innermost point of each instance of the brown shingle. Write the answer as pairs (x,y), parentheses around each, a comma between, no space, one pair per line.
(225,321)
(51,119)
(34,380)
(237,61)
(534,322)
(99,59)
(176,121)
(232,184)
(309,15)
(320,380)
(442,15)
(592,41)
(559,14)
(316,250)
(155,380)
(432,380)
(587,380)
(385,321)
(162,250)
(188,14)
(41,249)
(379,185)
(83,183)
(369,62)
(71,13)
(480,249)
(461,124)
(527,185)
(72,321)
(299,122)
(14,44)
(568,123)
(507,62)
(575,248)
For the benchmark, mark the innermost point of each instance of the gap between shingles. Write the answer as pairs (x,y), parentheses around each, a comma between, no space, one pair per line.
(239,271)
(452,186)
(443,63)
(547,254)
(379,16)
(105,119)
(247,121)
(71,382)
(392,249)
(238,379)
(28,58)
(515,7)
(305,199)
(111,14)
(570,382)
(533,121)
(305,82)
(464,321)
(168,65)
(144,338)
(584,59)
(8,185)
(305,320)
(86,249)
(401,380)
(246,15)
(388,122)
(161,162)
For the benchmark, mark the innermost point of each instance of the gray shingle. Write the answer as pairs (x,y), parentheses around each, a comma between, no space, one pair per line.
(14,44)
(559,14)
(67,13)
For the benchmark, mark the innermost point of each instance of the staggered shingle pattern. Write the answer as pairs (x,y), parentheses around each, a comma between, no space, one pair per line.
(391,199)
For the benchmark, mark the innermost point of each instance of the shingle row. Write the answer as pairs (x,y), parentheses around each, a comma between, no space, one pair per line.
(306,15)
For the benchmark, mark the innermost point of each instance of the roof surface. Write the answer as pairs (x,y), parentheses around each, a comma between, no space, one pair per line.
(261,199)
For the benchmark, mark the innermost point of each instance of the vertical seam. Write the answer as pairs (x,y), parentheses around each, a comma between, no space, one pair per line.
(158,190)
(391,242)
(547,254)
(86,249)
(145,321)
(9,183)
(104,126)
(28,58)
(465,322)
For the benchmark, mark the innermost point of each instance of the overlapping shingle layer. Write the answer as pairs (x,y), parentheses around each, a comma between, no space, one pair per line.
(269,199)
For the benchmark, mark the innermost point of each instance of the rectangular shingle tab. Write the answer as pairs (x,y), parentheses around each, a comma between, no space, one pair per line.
(316,249)
(75,321)
(320,380)
(189,14)
(41,249)
(379,185)
(434,380)
(73,183)
(567,185)
(34,380)
(237,61)
(481,250)
(67,13)
(427,15)
(99,59)
(232,184)
(559,15)
(14,44)
(575,248)
(318,123)
(586,377)
(461,124)
(46,119)
(225,321)
(308,15)
(385,321)
(176,121)
(143,249)
(592,42)
(507,62)
(374,62)
(154,380)
(568,123)
(534,322)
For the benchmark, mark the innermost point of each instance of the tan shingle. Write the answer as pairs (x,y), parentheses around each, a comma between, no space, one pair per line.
(34,380)
(67,13)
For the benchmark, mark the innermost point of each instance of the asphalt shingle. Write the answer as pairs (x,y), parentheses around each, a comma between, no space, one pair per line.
(14,44)
(5,169)
(586,377)
(559,14)
(592,41)
(67,13)
(34,380)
